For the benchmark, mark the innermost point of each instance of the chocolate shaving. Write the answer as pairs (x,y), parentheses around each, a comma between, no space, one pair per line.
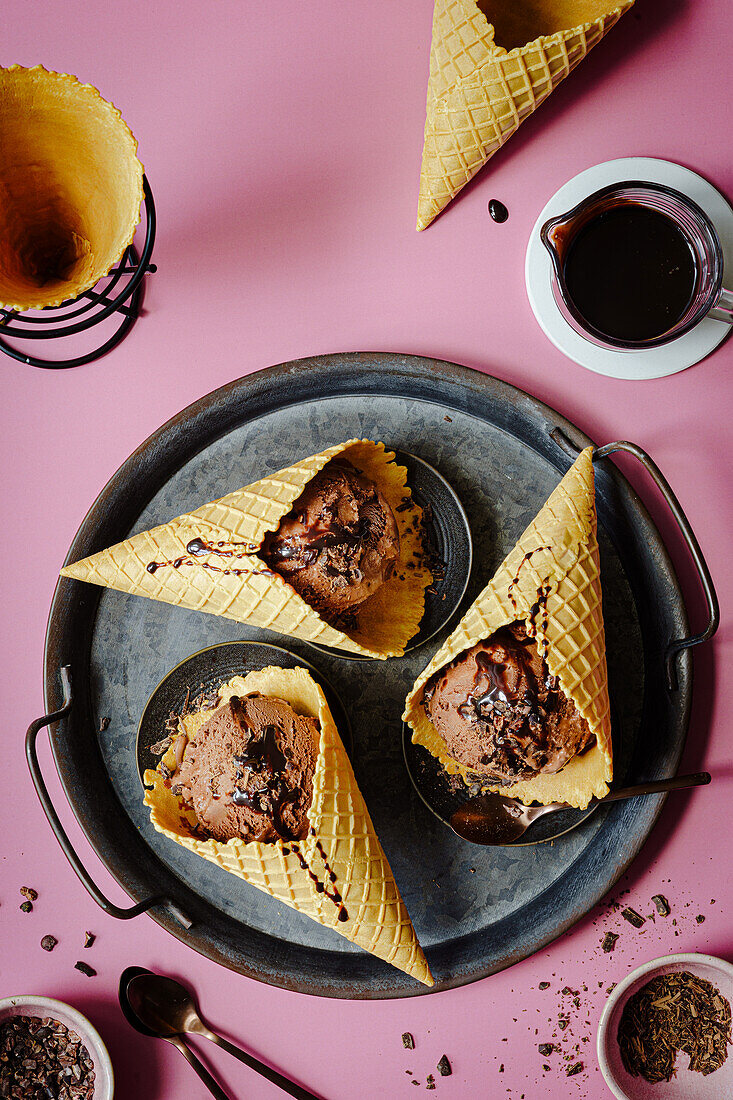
(89,939)
(546,1049)
(674,1012)
(572,1070)
(633,917)
(662,905)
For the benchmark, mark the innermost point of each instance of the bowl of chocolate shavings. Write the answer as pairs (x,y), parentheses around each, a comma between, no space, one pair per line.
(49,1049)
(665,1032)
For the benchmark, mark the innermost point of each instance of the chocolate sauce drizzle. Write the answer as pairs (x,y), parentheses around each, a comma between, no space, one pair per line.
(264,759)
(328,888)
(199,548)
(308,551)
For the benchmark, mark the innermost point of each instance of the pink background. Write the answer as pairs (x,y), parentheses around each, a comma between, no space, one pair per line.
(283,142)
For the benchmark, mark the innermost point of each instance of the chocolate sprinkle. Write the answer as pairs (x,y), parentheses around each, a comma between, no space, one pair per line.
(673,1012)
(662,905)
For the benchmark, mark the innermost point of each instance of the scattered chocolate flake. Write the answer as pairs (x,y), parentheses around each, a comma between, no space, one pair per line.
(562,1024)
(572,1070)
(546,1049)
(444,1067)
(41,1057)
(85,969)
(161,746)
(501,1068)
(545,1067)
(544,985)
(89,939)
(408,1040)
(609,941)
(48,943)
(610,988)
(568,992)
(449,419)
(700,918)
(26,907)
(430,1083)
(414,1082)
(662,905)
(104,724)
(29,893)
(633,917)
(674,1012)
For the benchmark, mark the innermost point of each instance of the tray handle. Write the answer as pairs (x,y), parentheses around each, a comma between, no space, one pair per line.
(677,645)
(58,829)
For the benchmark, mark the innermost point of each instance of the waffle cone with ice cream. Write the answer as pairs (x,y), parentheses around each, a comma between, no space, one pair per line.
(549,583)
(211,559)
(491,65)
(337,874)
(70,187)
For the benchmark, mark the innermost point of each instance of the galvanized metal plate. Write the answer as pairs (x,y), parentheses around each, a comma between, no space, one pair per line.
(203,673)
(475,911)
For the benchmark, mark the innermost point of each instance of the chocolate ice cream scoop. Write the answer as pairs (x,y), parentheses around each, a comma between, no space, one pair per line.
(338,543)
(499,710)
(248,771)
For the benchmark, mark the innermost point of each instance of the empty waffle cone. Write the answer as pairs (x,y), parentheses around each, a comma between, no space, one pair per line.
(234,582)
(480,91)
(557,555)
(341,837)
(70,187)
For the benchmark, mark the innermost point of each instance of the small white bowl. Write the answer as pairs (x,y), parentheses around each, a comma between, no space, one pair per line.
(685,1085)
(28,1005)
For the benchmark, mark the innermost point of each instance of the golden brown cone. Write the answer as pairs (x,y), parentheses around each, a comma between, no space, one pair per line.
(385,622)
(563,549)
(70,187)
(377,918)
(479,92)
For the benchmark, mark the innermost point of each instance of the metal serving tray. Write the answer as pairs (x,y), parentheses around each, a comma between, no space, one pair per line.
(475,910)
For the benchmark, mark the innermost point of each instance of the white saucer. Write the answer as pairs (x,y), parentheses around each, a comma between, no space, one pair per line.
(656,362)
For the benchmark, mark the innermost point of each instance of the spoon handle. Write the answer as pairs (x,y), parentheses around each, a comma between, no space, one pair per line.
(254,1063)
(699,779)
(214,1088)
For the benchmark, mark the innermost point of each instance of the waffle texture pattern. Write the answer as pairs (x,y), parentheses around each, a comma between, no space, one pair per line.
(557,555)
(478,93)
(244,588)
(377,918)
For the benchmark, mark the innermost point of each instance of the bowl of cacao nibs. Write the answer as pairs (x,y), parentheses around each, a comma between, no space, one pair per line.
(665,1031)
(48,1048)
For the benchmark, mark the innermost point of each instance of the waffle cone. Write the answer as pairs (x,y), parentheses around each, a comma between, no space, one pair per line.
(377,918)
(557,552)
(384,623)
(70,187)
(479,93)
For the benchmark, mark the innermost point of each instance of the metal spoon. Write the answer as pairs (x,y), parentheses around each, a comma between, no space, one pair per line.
(132,1018)
(170,1010)
(493,819)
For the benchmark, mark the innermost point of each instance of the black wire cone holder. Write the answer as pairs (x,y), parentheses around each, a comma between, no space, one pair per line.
(122,296)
